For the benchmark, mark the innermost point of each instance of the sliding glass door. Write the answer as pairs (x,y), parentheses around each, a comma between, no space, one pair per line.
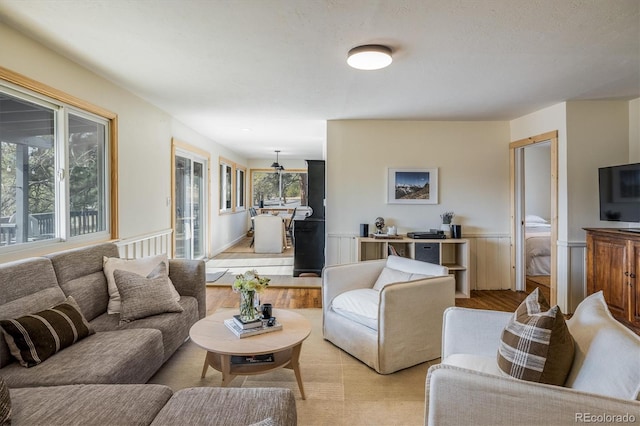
(190,203)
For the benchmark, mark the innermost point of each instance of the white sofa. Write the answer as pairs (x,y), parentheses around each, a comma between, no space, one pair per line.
(396,327)
(469,388)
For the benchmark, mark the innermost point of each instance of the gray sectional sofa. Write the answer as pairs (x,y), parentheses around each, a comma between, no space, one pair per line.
(100,379)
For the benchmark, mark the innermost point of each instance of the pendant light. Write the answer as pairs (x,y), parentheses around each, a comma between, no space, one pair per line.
(276,165)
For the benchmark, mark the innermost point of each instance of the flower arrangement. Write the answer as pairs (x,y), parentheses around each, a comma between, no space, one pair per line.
(447,217)
(250,281)
(248,284)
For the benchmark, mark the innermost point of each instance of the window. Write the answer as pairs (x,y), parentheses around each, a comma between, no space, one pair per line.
(232,186)
(226,185)
(54,169)
(240,188)
(286,188)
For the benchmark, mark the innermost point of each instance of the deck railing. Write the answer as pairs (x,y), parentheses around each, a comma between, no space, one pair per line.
(43,226)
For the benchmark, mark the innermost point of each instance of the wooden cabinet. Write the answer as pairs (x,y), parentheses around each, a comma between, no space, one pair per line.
(613,266)
(452,253)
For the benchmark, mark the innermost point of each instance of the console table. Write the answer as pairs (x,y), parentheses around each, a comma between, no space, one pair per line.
(451,252)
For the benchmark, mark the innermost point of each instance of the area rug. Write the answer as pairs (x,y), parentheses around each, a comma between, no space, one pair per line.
(340,390)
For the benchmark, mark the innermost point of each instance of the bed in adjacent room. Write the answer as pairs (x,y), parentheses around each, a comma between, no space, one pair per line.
(537,234)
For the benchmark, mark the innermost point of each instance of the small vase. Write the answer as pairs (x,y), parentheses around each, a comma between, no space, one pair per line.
(447,229)
(248,311)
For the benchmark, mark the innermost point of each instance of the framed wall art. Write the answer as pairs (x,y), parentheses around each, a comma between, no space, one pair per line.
(412,186)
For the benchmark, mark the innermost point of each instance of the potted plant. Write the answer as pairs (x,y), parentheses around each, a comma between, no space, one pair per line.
(446,217)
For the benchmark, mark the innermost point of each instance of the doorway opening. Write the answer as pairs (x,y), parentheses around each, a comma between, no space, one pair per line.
(534,227)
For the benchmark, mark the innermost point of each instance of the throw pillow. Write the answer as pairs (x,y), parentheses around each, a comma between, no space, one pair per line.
(607,352)
(389,276)
(536,344)
(141,297)
(5,404)
(143,267)
(34,338)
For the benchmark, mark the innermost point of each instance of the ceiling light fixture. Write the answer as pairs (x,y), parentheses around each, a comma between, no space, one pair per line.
(276,165)
(369,57)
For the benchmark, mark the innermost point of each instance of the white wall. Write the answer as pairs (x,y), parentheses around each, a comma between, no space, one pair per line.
(473,163)
(537,178)
(634,131)
(473,167)
(598,136)
(144,140)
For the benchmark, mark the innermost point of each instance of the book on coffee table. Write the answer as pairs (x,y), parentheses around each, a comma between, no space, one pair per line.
(252,359)
(242,333)
(246,325)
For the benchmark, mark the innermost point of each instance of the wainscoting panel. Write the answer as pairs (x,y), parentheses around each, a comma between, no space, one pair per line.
(572,274)
(341,249)
(489,266)
(145,245)
(492,258)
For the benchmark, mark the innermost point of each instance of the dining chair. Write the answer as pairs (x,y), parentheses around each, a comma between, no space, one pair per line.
(290,227)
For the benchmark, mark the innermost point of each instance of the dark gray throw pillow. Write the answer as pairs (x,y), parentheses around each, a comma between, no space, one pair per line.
(142,297)
(35,337)
(5,404)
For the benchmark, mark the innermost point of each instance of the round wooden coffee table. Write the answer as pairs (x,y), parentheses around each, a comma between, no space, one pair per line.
(211,334)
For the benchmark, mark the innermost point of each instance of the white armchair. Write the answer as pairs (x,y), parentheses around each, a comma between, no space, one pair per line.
(395,327)
(268,234)
(468,385)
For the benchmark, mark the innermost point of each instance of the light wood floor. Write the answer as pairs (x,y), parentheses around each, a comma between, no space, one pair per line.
(296,298)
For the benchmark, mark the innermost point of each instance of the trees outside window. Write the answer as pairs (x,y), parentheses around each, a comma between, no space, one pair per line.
(285,188)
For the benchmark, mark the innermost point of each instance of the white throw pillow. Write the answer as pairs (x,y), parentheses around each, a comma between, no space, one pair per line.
(142,267)
(359,305)
(415,266)
(607,354)
(390,276)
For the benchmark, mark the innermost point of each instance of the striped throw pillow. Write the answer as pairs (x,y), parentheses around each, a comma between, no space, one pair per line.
(536,344)
(35,337)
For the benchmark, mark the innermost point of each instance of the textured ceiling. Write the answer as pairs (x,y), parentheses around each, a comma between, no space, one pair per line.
(260,75)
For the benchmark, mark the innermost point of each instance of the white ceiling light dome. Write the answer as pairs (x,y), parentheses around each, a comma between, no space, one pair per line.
(369,57)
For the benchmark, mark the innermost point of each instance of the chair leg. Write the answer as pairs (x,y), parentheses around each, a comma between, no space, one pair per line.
(252,241)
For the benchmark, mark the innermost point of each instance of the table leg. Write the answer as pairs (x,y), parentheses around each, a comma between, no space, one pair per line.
(225,366)
(295,366)
(205,366)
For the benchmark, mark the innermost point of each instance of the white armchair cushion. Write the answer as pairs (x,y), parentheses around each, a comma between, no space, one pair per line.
(359,305)
(607,358)
(389,276)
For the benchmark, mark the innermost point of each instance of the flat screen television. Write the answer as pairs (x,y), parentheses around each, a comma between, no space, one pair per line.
(620,193)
